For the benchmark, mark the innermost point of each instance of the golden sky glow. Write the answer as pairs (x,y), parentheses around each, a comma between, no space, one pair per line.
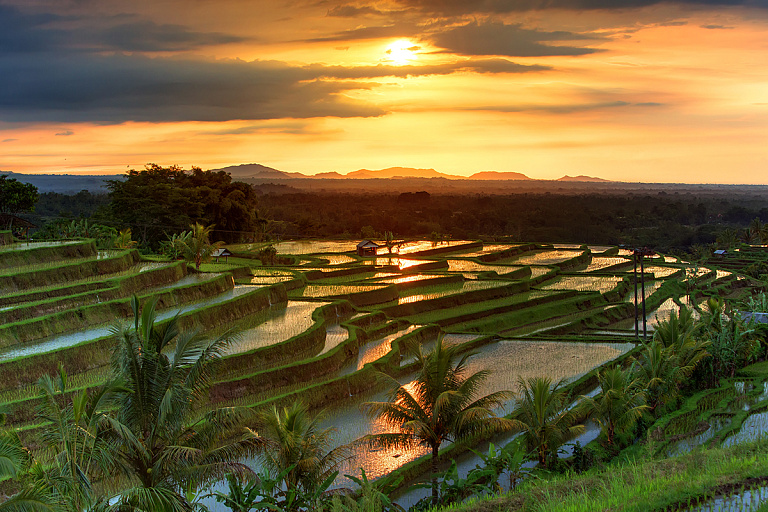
(649,91)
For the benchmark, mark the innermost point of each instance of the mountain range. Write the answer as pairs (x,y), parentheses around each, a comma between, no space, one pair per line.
(261,172)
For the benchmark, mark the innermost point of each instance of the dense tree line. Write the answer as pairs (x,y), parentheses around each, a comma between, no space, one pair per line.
(664,221)
(156,202)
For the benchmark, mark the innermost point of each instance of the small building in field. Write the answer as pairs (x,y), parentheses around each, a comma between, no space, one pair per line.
(720,253)
(367,248)
(18,226)
(223,252)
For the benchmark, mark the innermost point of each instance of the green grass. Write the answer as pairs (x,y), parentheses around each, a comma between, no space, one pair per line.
(644,485)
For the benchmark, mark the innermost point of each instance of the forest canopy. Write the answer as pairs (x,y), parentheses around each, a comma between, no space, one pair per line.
(158,201)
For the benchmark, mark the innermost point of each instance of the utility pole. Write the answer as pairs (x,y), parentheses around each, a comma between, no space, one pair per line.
(641,253)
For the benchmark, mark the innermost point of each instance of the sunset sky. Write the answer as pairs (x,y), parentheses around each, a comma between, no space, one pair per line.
(631,90)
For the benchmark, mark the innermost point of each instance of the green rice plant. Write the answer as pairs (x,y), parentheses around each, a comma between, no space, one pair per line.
(445,290)
(301,247)
(662,272)
(544,257)
(600,263)
(602,284)
(455,265)
(324,291)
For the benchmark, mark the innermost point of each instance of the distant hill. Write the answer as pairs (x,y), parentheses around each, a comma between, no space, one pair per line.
(400,172)
(258,171)
(66,183)
(583,178)
(496,175)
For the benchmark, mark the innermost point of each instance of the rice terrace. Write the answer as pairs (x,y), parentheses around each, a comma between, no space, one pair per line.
(315,322)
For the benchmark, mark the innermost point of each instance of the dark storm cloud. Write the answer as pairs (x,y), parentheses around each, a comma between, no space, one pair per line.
(510,40)
(147,36)
(22,32)
(458,7)
(119,88)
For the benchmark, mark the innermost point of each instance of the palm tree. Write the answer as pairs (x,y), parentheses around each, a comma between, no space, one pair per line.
(15,460)
(680,334)
(161,444)
(543,416)
(299,450)
(660,373)
(759,230)
(197,246)
(619,404)
(439,406)
(73,453)
(727,238)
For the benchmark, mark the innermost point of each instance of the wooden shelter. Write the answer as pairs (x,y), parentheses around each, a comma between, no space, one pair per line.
(18,226)
(367,248)
(223,252)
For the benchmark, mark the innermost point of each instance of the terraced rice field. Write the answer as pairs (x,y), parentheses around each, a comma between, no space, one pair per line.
(599,263)
(545,257)
(602,284)
(397,261)
(316,291)
(276,324)
(285,317)
(471,266)
(445,290)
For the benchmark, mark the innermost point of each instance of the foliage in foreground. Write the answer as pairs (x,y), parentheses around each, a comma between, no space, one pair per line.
(638,485)
(440,405)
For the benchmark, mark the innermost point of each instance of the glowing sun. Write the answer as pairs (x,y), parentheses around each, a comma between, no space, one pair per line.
(402,51)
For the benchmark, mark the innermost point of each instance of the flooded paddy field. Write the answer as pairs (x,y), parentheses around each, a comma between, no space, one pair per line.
(377,301)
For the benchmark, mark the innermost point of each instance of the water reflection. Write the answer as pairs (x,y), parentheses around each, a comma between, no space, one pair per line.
(507,360)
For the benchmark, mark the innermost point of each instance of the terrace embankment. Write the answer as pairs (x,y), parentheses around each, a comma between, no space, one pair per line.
(93,354)
(95,313)
(40,303)
(67,271)
(21,255)
(297,348)
(414,308)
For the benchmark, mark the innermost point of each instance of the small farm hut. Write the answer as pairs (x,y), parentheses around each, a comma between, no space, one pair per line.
(20,227)
(720,253)
(223,252)
(367,248)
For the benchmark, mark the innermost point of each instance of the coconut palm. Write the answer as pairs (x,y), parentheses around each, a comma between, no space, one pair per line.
(162,445)
(680,334)
(759,230)
(440,405)
(197,246)
(73,452)
(544,417)
(619,404)
(299,450)
(659,371)
(18,465)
